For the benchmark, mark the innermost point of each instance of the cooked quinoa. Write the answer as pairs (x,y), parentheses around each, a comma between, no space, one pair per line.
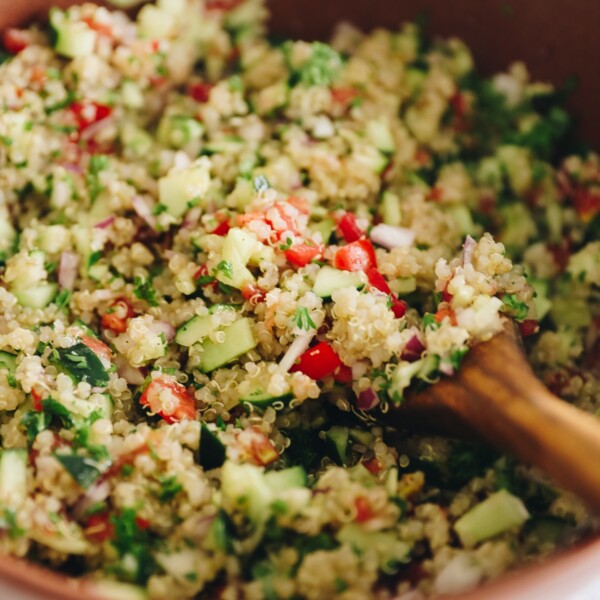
(224,257)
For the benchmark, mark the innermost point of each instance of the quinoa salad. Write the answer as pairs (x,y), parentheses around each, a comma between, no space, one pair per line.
(225,255)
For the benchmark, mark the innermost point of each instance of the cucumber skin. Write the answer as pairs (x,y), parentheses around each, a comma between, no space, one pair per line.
(239,339)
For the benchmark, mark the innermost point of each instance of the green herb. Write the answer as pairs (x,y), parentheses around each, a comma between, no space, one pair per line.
(127,470)
(83,470)
(303,320)
(159,208)
(261,184)
(97,164)
(236,84)
(340,585)
(205,280)
(226,268)
(429,322)
(34,421)
(514,307)
(4,57)
(132,541)
(96,509)
(169,488)
(9,522)
(69,99)
(82,364)
(288,244)
(142,288)
(321,67)
(62,299)
(7,141)
(457,356)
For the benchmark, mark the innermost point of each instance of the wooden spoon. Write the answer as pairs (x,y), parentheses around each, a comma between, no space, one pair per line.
(496,397)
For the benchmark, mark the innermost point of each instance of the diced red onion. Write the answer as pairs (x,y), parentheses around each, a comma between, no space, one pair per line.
(67,270)
(165,328)
(367,400)
(468,248)
(390,236)
(107,222)
(446,368)
(413,350)
(192,217)
(95,128)
(296,349)
(132,375)
(143,210)
(98,492)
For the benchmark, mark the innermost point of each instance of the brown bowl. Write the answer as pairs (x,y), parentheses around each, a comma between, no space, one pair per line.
(556,40)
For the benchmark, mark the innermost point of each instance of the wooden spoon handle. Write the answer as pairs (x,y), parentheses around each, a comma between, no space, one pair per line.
(497,396)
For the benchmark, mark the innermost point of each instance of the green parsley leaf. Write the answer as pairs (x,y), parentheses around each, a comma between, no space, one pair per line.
(170,487)
(226,268)
(303,319)
(142,288)
(429,322)
(97,164)
(514,307)
(82,364)
(320,69)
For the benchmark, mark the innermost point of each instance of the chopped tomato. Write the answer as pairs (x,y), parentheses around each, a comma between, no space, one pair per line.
(318,362)
(118,315)
(587,203)
(561,253)
(343,374)
(443,312)
(257,446)
(169,399)
(142,523)
(344,95)
(446,295)
(300,204)
(126,459)
(357,256)
(435,194)
(221,5)
(99,528)
(98,347)
(101,28)
(37,399)
(222,228)
(200,91)
(302,254)
(460,109)
(372,465)
(528,327)
(15,40)
(398,306)
(253,293)
(347,226)
(87,113)
(377,280)
(363,509)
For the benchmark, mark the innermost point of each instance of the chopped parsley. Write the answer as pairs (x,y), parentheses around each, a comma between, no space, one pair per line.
(97,164)
(226,268)
(303,319)
(429,322)
(514,307)
(321,67)
(169,488)
(82,364)
(142,288)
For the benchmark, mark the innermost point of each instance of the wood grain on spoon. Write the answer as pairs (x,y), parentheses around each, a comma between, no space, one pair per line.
(496,396)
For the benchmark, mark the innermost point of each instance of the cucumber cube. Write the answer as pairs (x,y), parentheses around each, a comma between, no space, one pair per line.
(181,187)
(329,280)
(239,339)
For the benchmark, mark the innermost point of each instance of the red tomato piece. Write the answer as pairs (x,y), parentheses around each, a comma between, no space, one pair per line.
(98,347)
(222,228)
(377,280)
(318,362)
(343,375)
(200,91)
(347,226)
(586,203)
(87,113)
(357,256)
(117,316)
(344,95)
(101,28)
(221,5)
(363,509)
(372,465)
(529,327)
(300,204)
(142,523)
(37,399)
(443,312)
(398,306)
(169,399)
(99,528)
(253,293)
(15,40)
(302,254)
(258,447)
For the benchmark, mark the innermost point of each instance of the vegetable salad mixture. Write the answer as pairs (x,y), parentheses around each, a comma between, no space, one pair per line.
(224,256)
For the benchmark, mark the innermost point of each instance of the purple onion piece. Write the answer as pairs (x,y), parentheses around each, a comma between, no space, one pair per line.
(67,270)
(367,400)
(413,350)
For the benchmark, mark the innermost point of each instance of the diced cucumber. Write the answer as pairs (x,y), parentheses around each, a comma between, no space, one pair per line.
(242,194)
(105,405)
(83,364)
(329,280)
(73,38)
(8,362)
(271,98)
(182,187)
(361,436)
(154,23)
(378,132)
(177,130)
(212,451)
(541,301)
(462,216)
(136,140)
(337,443)
(390,210)
(87,330)
(372,158)
(390,551)
(131,95)
(238,247)
(499,513)
(99,271)
(403,285)
(401,378)
(261,399)
(83,470)
(13,477)
(244,486)
(280,481)
(37,297)
(325,227)
(227,145)
(109,589)
(197,328)
(239,339)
